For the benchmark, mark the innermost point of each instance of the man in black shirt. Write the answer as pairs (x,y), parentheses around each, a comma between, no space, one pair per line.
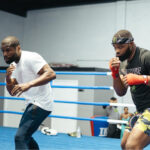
(131,67)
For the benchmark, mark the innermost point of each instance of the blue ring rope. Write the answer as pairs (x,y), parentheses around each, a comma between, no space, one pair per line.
(75,87)
(83,87)
(62,117)
(75,73)
(83,103)
(59,101)
(11,112)
(76,102)
(78,118)
(2,71)
(2,84)
(12,98)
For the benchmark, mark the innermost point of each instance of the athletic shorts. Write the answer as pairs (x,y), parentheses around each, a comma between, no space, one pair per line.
(140,121)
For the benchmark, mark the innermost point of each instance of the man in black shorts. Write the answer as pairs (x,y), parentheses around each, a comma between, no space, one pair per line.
(131,67)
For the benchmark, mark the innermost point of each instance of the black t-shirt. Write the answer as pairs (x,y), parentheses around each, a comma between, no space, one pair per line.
(140,64)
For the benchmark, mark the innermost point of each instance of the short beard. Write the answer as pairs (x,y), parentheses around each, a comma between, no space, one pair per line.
(126,55)
(14,58)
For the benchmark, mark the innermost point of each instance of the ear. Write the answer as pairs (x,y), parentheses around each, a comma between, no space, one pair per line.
(132,43)
(18,48)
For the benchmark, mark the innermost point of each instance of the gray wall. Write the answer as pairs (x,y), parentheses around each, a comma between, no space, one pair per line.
(10,25)
(82,34)
(78,34)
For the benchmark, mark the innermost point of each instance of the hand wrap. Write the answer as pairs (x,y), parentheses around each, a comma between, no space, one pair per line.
(134,79)
(115,71)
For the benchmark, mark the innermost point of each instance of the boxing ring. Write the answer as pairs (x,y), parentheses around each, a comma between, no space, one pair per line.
(63,141)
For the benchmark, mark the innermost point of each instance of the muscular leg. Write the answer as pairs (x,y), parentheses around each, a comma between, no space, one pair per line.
(124,139)
(140,134)
(137,140)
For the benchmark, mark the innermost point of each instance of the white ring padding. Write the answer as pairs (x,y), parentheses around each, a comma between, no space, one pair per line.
(111,87)
(117,121)
(109,73)
(121,104)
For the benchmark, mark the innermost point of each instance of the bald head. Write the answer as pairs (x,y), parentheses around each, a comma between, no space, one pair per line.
(10,41)
(11,49)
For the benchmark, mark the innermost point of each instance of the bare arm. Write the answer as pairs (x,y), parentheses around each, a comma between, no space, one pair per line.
(119,86)
(46,74)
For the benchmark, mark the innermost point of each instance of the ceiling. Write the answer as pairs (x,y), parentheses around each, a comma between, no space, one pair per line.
(20,7)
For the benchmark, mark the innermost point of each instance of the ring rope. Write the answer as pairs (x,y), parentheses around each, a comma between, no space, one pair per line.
(83,103)
(2,84)
(84,87)
(95,103)
(121,104)
(76,102)
(12,98)
(76,87)
(75,73)
(2,71)
(83,73)
(74,118)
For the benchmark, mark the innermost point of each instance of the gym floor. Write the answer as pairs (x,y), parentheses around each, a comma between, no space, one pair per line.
(61,141)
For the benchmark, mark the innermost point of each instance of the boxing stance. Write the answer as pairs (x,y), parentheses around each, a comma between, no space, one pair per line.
(131,67)
(28,75)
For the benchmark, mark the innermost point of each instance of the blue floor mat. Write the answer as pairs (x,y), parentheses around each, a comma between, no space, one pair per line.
(61,141)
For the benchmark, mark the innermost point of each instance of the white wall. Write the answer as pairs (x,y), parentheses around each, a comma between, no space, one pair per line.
(137,20)
(78,34)
(10,25)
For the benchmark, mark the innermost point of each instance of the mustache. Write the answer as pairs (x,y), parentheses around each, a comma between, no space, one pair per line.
(9,60)
(5,57)
(117,54)
(125,56)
